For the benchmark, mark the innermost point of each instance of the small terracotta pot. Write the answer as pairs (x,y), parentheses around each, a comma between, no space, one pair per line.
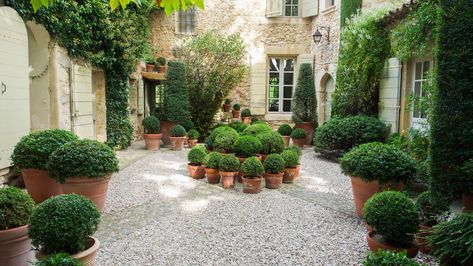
(246,120)
(213,176)
(286,140)
(39,185)
(289,175)
(251,185)
(86,257)
(165,130)
(375,245)
(299,142)
(150,67)
(236,114)
(177,143)
(228,179)
(273,181)
(94,188)
(226,108)
(161,69)
(196,171)
(298,171)
(192,142)
(368,228)
(152,141)
(421,240)
(309,130)
(15,247)
(467,202)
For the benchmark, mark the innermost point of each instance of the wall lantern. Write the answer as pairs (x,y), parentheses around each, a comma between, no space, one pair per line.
(317,35)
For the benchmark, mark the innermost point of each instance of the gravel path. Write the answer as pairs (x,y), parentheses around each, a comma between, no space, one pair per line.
(157,215)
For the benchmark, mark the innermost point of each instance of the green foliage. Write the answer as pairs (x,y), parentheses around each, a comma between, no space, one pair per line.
(229,163)
(393,215)
(59,259)
(274,164)
(227,101)
(294,148)
(236,107)
(196,155)
(246,113)
(257,129)
(342,134)
(428,214)
(467,177)
(216,132)
(247,146)
(212,160)
(377,161)
(151,125)
(252,168)
(63,223)
(304,104)
(193,134)
(161,61)
(82,158)
(177,131)
(34,149)
(285,130)
(16,207)
(451,240)
(291,158)
(298,133)
(188,125)
(348,9)
(238,126)
(176,105)
(271,142)
(388,258)
(224,142)
(215,67)
(364,48)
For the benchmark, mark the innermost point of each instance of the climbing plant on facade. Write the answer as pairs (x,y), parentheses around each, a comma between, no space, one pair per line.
(348,9)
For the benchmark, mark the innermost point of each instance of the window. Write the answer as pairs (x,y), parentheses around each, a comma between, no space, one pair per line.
(329,3)
(186,21)
(281,84)
(420,79)
(291,8)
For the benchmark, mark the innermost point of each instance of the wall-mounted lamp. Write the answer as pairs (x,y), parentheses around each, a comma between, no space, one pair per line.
(317,35)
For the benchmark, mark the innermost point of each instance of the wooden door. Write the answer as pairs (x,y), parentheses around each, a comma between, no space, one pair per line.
(82,102)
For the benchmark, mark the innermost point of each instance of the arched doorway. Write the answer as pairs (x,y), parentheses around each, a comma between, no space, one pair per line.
(329,89)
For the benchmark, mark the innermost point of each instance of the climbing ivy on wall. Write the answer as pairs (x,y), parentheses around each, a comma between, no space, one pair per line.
(349,8)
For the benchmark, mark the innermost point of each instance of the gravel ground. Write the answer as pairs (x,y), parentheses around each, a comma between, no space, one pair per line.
(157,215)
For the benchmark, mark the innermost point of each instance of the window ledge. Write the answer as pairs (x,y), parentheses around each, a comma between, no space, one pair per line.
(278,116)
(329,10)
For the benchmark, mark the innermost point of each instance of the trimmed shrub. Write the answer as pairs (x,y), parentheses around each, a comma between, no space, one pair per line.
(220,130)
(177,131)
(254,130)
(63,223)
(212,160)
(193,134)
(80,158)
(59,259)
(224,142)
(291,158)
(252,168)
(227,101)
(304,105)
(34,149)
(176,105)
(151,125)
(196,156)
(188,125)
(161,61)
(238,126)
(393,215)
(229,163)
(285,130)
(274,164)
(209,143)
(247,146)
(245,113)
(236,107)
(342,134)
(255,120)
(295,149)
(16,207)
(429,215)
(298,133)
(377,161)
(388,258)
(271,142)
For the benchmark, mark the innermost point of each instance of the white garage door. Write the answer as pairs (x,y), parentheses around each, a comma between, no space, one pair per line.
(82,102)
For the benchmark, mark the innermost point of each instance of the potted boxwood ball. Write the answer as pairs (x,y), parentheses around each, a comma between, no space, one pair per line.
(285,130)
(298,136)
(247,146)
(395,221)
(59,259)
(65,224)
(224,142)
(84,167)
(177,137)
(227,105)
(290,168)
(193,136)
(212,162)
(16,207)
(252,170)
(31,155)
(246,116)
(271,142)
(375,167)
(152,137)
(236,110)
(196,157)
(161,64)
(274,171)
(229,167)
(298,151)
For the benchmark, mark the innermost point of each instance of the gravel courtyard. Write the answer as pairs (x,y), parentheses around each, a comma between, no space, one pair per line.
(157,215)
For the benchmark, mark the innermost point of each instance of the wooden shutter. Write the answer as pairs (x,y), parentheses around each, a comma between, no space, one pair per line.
(258,72)
(310,8)
(274,8)
(389,93)
(82,103)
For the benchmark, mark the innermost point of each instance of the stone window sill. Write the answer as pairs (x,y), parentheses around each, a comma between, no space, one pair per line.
(329,10)
(278,116)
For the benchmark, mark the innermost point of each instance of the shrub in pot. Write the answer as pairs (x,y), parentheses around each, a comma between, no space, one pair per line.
(196,157)
(178,137)
(274,171)
(150,63)
(252,170)
(375,167)
(388,258)
(246,116)
(84,167)
(161,64)
(394,220)
(227,105)
(216,132)
(65,224)
(193,136)
(229,166)
(212,163)
(285,130)
(31,156)
(297,150)
(247,146)
(16,207)
(304,108)
(236,110)
(224,142)
(271,142)
(59,259)
(255,130)
(238,126)
(291,160)
(152,137)
(188,125)
(298,136)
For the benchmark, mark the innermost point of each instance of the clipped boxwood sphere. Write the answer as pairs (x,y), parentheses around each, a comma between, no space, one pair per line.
(377,161)
(429,214)
(271,142)
(393,215)
(193,134)
(295,149)
(388,258)
(188,125)
(151,125)
(229,163)
(196,155)
(252,167)
(285,130)
(219,130)
(256,129)
(245,113)
(298,133)
(274,164)
(238,126)
(236,107)
(247,146)
(177,131)
(81,158)
(16,207)
(34,149)
(63,223)
(212,160)
(224,142)
(291,158)
(59,259)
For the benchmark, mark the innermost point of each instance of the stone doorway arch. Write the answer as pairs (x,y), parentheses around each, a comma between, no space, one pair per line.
(328,86)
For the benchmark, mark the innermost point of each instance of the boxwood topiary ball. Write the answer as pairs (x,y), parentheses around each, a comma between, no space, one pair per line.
(59,259)
(274,164)
(63,223)
(151,125)
(247,146)
(219,130)
(271,142)
(212,160)
(193,134)
(16,207)
(252,168)
(224,142)
(298,133)
(245,113)
(236,107)
(429,214)
(285,130)
(229,163)
(295,149)
(177,131)
(256,129)
(238,126)
(291,158)
(188,125)
(196,155)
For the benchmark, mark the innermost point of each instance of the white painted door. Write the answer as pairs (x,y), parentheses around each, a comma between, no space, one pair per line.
(82,104)
(14,83)
(329,89)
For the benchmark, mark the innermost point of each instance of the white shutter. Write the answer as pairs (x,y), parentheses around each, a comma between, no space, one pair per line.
(389,93)
(274,8)
(82,102)
(310,8)
(258,72)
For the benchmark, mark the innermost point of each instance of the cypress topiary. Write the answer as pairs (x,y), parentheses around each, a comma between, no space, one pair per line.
(304,107)
(176,106)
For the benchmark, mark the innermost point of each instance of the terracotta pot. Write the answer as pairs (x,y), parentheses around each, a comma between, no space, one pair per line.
(273,181)
(213,176)
(298,171)
(94,188)
(165,129)
(362,191)
(161,69)
(236,114)
(251,185)
(39,185)
(421,241)
(196,171)
(289,175)
(150,67)
(86,257)
(246,120)
(374,245)
(192,142)
(152,141)
(226,108)
(467,202)
(286,140)
(299,142)
(368,228)
(309,130)
(177,143)
(228,179)
(15,247)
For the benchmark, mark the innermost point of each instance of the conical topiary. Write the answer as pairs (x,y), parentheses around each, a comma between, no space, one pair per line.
(304,108)
(176,106)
